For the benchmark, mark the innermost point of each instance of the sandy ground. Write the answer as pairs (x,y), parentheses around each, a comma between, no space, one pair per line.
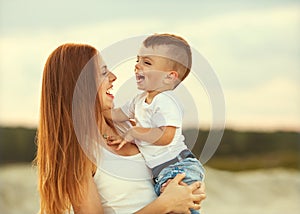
(275,191)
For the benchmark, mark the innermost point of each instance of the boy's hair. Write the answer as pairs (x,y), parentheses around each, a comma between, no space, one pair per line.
(170,39)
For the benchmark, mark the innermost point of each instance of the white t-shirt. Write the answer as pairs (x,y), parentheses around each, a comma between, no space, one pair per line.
(125,190)
(164,110)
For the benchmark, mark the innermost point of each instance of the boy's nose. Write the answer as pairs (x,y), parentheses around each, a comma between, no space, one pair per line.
(137,67)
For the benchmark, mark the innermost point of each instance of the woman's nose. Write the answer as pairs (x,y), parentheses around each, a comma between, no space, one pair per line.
(112,77)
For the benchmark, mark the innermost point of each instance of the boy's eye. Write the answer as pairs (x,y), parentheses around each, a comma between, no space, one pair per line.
(147,63)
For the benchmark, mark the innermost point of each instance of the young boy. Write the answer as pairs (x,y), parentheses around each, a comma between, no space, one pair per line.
(164,60)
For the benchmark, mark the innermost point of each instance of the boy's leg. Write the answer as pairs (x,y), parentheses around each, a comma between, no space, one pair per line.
(194,172)
(166,174)
(190,166)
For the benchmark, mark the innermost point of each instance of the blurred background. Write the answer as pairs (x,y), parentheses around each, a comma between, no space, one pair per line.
(252,47)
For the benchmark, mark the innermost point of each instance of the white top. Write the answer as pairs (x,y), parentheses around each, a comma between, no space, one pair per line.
(124,191)
(164,110)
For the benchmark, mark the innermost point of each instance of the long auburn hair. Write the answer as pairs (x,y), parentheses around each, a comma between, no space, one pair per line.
(63,167)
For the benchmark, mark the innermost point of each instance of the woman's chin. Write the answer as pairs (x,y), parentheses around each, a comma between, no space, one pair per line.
(107,108)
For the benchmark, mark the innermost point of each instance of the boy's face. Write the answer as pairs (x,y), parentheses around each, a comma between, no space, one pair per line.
(151,73)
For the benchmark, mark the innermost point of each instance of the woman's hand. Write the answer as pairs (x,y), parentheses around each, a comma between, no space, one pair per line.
(201,190)
(179,196)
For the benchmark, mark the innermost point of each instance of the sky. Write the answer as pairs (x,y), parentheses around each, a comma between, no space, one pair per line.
(252,46)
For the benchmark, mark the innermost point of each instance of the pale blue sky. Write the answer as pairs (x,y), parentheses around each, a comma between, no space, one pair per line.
(253,47)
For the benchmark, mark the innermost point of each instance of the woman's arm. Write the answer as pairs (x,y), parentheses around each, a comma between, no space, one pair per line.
(176,198)
(91,204)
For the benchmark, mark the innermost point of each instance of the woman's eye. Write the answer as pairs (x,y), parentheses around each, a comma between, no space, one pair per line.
(104,71)
(147,63)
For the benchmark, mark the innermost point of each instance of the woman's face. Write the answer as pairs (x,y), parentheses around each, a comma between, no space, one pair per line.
(106,80)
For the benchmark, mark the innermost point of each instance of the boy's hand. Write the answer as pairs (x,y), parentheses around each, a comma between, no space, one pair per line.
(117,140)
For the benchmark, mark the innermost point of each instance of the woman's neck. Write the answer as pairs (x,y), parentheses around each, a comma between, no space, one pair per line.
(106,127)
(127,150)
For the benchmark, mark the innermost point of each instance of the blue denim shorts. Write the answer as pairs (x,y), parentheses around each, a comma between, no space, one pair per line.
(192,168)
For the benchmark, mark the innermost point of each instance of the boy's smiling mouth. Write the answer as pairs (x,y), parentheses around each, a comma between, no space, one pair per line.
(139,77)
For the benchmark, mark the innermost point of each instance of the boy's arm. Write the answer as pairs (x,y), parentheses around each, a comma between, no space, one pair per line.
(115,114)
(159,136)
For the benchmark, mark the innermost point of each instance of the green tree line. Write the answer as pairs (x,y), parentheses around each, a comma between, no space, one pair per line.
(242,150)
(17,144)
(238,150)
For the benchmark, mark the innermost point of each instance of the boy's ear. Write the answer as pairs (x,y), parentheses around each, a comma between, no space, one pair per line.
(171,78)
(172,75)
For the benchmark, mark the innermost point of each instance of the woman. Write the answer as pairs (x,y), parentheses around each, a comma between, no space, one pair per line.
(66,169)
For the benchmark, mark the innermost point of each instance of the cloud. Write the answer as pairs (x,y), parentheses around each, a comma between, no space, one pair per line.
(247,48)
(270,105)
(253,52)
